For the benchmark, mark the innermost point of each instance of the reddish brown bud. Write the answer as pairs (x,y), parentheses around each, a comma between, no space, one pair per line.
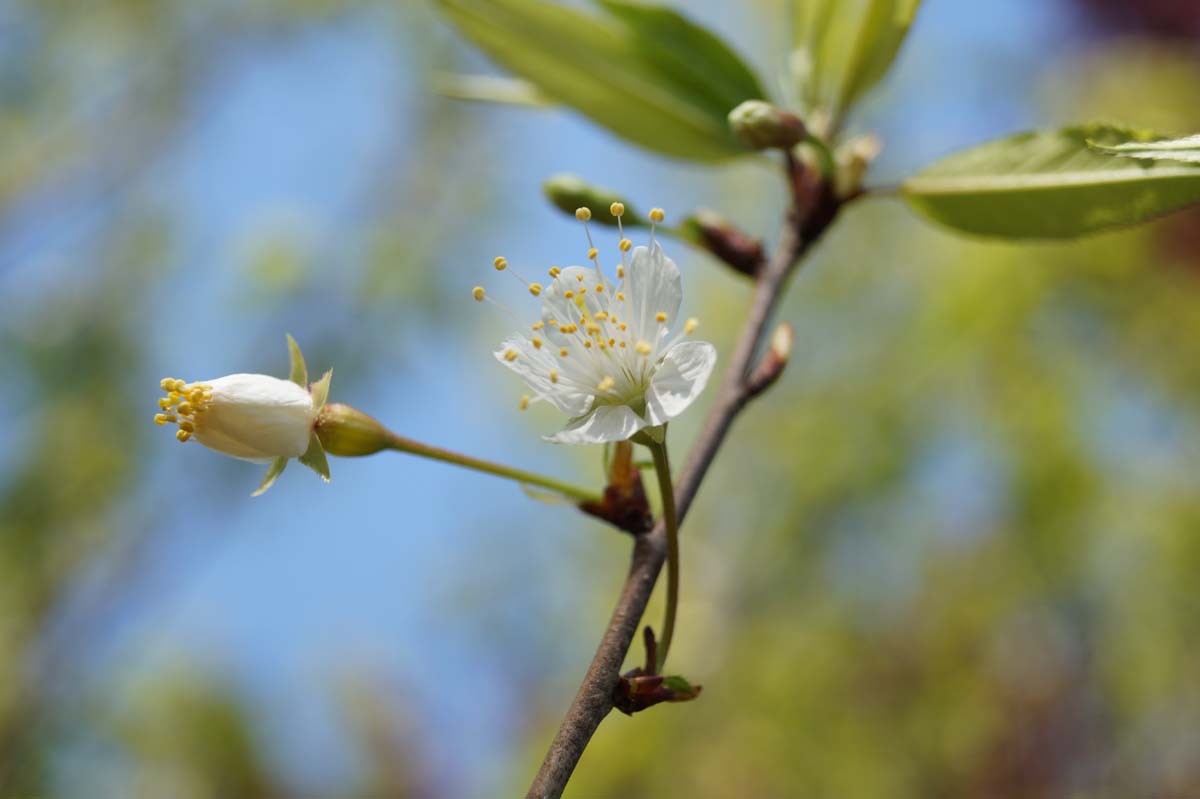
(717,235)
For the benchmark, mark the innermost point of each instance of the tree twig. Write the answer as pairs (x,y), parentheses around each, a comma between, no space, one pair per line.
(814,209)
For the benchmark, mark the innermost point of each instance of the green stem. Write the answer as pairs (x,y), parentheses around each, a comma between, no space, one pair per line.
(662,468)
(402,444)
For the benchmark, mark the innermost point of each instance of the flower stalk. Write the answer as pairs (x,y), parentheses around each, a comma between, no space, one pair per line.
(348,432)
(662,470)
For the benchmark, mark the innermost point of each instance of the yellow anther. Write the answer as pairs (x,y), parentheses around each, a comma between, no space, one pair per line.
(626,245)
(607,383)
(185,409)
(643,348)
(524,403)
(617,209)
(500,263)
(538,325)
(620,297)
(599,287)
(661,316)
(657,215)
(555,271)
(587,345)
(167,383)
(510,355)
(187,426)
(592,253)
(620,271)
(622,325)
(568,294)
(622,345)
(582,291)
(603,346)
(593,329)
(601,316)
(553,375)
(612,342)
(562,353)
(535,289)
(478,293)
(537,343)
(164,403)
(579,277)
(691,324)
(553,323)
(182,435)
(163,418)
(583,214)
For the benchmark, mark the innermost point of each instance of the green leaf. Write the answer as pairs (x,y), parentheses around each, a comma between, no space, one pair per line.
(273,471)
(884,28)
(1185,150)
(314,458)
(641,72)
(546,496)
(691,55)
(1050,185)
(844,48)
(320,391)
(299,373)
(490,89)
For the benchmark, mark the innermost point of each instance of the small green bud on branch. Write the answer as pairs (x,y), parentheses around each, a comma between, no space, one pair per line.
(569,193)
(762,126)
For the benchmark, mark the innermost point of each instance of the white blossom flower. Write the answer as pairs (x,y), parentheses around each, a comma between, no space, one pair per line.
(604,354)
(252,417)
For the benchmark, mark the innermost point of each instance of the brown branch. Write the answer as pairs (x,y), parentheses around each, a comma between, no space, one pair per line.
(814,209)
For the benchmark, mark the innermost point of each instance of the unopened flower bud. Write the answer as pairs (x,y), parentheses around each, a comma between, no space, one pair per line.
(572,195)
(348,432)
(774,360)
(719,236)
(762,126)
(853,159)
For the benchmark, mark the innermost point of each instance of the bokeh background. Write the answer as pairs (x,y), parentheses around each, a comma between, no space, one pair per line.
(953,553)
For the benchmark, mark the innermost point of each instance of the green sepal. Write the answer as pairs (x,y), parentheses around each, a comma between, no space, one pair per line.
(546,496)
(299,373)
(273,471)
(314,458)
(650,436)
(320,391)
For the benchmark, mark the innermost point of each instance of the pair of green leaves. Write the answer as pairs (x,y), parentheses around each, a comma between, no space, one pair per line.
(1059,184)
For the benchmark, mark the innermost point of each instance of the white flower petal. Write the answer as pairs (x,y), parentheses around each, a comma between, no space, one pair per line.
(680,378)
(606,423)
(534,366)
(256,417)
(651,286)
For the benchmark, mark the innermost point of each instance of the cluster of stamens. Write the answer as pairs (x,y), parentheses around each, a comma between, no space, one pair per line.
(182,404)
(596,336)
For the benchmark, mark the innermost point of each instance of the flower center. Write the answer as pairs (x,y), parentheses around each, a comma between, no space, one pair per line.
(183,405)
(592,338)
